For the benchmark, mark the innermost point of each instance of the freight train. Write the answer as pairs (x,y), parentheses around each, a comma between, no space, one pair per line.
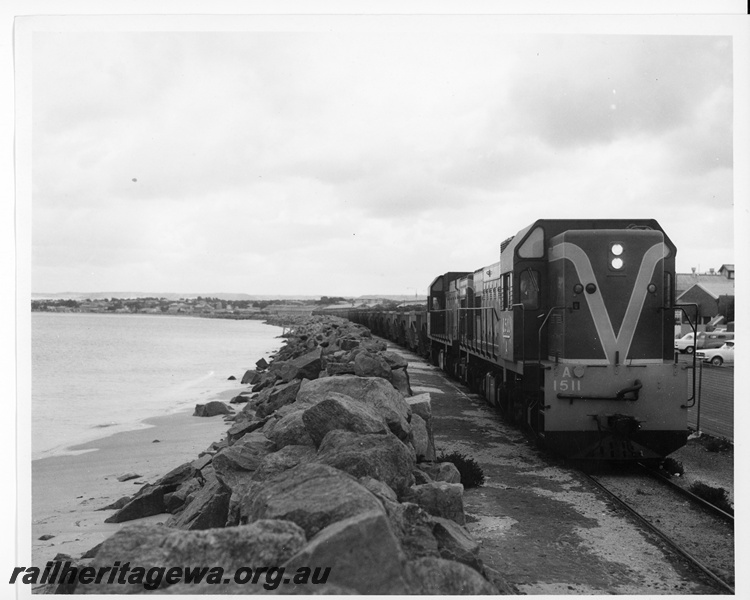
(569,335)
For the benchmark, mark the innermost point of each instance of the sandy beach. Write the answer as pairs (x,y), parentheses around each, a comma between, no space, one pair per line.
(68,490)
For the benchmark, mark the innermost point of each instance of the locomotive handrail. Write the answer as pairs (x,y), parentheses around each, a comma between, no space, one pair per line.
(539,332)
(523,327)
(690,402)
(540,379)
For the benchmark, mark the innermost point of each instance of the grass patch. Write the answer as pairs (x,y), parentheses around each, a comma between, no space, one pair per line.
(471,473)
(716,496)
(673,467)
(713,444)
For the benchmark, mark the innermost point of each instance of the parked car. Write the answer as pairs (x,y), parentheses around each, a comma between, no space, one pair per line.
(713,339)
(718,356)
(686,343)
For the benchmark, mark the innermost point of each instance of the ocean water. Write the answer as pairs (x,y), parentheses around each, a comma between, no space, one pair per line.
(93,375)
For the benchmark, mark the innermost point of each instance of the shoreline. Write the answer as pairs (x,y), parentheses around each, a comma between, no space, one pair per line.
(284,320)
(68,489)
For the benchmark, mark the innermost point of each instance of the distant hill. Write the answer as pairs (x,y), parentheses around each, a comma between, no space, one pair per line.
(373,298)
(167,295)
(394,298)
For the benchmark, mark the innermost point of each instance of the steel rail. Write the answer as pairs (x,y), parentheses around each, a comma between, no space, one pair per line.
(674,545)
(712,508)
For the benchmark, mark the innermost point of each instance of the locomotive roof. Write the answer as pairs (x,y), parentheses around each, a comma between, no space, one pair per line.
(447,278)
(553,227)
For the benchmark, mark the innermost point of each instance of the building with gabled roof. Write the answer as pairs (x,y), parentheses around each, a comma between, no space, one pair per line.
(727,271)
(713,298)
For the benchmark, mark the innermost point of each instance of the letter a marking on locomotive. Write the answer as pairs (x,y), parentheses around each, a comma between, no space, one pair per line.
(610,342)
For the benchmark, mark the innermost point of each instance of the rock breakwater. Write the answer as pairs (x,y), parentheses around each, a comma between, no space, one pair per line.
(329,464)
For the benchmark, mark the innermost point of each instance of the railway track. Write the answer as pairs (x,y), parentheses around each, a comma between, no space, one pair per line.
(701,533)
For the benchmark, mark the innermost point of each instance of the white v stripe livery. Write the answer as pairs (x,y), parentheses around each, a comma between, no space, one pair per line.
(610,342)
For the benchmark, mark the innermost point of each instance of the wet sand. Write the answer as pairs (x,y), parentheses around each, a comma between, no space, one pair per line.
(68,490)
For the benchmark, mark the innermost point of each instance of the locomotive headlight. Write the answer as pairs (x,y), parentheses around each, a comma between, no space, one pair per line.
(651,288)
(578,288)
(616,250)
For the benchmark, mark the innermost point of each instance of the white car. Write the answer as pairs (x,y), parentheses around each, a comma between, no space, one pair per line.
(718,356)
(685,343)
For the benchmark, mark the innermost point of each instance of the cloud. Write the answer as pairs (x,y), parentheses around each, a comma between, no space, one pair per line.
(339,163)
(572,91)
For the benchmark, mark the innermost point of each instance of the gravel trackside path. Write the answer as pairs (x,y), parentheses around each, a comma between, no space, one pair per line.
(542,526)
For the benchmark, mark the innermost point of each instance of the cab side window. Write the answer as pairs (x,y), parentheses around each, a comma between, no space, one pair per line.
(528,285)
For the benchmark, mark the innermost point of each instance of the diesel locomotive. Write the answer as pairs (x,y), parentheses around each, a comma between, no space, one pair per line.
(570,335)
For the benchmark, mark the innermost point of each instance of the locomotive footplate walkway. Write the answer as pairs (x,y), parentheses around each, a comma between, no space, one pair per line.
(542,527)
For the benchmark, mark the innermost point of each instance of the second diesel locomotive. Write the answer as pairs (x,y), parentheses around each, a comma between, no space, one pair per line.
(571,334)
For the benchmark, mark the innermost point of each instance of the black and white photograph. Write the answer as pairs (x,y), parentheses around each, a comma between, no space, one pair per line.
(389,300)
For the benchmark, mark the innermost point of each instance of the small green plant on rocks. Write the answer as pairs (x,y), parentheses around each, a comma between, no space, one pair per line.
(716,496)
(471,473)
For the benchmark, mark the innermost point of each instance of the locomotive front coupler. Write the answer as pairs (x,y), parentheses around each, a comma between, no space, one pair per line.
(619,395)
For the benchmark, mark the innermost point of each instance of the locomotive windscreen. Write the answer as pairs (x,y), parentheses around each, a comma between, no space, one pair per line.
(610,282)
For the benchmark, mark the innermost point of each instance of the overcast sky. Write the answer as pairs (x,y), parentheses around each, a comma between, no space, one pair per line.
(347,163)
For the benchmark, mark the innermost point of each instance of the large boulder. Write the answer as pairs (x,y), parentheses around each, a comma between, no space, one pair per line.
(282,460)
(456,543)
(147,502)
(312,495)
(244,455)
(349,343)
(421,406)
(174,501)
(372,345)
(362,553)
(421,439)
(279,396)
(250,377)
(339,368)
(440,499)
(266,379)
(239,429)
(290,429)
(380,456)
(367,364)
(211,409)
(263,543)
(307,366)
(337,411)
(395,361)
(373,391)
(178,475)
(383,491)
(438,576)
(400,381)
(414,528)
(208,508)
(445,471)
